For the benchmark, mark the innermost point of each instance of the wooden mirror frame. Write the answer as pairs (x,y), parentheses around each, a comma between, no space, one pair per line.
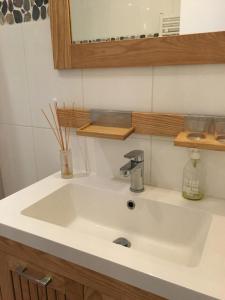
(203,48)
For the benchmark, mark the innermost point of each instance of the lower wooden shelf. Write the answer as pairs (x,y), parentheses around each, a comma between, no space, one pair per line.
(92,130)
(207,142)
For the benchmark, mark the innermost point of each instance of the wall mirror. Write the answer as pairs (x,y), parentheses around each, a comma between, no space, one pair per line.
(123,33)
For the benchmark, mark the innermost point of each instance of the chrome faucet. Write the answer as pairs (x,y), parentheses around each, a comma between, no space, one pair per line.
(135,168)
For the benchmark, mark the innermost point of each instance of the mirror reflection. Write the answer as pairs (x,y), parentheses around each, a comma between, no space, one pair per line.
(108,20)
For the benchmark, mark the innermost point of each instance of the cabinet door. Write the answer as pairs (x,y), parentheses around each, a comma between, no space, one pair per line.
(90,294)
(5,279)
(22,281)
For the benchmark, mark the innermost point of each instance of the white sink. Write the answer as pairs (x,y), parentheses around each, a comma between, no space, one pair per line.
(166,231)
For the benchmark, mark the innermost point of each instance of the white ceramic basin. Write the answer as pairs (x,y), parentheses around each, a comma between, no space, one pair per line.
(176,247)
(158,229)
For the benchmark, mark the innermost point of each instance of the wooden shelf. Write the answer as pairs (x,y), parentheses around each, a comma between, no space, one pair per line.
(157,124)
(208,143)
(92,130)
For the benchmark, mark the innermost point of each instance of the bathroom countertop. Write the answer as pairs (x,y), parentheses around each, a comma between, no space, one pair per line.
(204,281)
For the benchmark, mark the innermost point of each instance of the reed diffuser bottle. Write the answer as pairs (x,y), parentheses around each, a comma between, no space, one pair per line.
(62,136)
(193,178)
(66,163)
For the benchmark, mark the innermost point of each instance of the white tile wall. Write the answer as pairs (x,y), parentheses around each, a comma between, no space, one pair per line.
(44,82)
(79,153)
(167,163)
(46,152)
(119,88)
(28,151)
(14,102)
(107,156)
(17,157)
(189,89)
(215,169)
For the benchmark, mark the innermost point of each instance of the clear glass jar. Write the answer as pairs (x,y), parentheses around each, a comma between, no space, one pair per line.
(197,124)
(219,123)
(66,163)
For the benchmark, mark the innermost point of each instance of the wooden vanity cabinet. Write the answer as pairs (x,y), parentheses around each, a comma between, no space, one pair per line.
(21,266)
(17,286)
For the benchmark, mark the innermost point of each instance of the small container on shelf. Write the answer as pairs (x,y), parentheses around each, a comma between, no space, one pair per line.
(197,127)
(199,134)
(219,124)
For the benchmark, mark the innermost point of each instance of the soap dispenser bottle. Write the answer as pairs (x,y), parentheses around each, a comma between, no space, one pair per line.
(193,177)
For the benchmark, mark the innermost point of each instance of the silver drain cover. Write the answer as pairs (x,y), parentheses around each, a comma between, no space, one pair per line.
(123,242)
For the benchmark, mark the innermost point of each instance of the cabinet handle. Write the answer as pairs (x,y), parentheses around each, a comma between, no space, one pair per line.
(43,281)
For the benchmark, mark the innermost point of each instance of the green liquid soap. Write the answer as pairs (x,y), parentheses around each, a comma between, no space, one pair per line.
(194,197)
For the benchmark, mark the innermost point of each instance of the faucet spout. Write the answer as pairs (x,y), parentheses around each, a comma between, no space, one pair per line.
(126,169)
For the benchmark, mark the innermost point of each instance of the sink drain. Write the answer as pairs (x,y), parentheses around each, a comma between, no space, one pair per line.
(131,204)
(123,242)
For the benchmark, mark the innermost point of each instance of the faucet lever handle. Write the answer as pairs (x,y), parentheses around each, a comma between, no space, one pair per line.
(135,155)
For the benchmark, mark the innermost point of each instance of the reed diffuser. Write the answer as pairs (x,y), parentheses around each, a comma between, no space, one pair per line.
(62,136)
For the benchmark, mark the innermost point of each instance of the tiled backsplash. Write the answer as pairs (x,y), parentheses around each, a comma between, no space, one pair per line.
(19,11)
(28,151)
